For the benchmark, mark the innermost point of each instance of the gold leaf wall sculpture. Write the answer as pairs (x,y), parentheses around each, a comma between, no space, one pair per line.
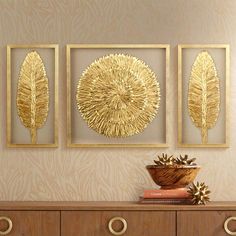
(33,94)
(204,94)
(118,95)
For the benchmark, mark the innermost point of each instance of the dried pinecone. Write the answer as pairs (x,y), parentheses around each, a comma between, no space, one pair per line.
(199,193)
(165,160)
(183,160)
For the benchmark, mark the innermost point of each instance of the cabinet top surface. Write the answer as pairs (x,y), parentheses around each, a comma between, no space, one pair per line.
(110,205)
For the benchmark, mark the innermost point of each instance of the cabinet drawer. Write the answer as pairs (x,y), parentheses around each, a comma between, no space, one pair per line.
(139,223)
(204,223)
(30,223)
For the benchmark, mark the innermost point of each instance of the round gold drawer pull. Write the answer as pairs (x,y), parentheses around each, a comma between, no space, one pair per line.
(10,225)
(226,226)
(112,231)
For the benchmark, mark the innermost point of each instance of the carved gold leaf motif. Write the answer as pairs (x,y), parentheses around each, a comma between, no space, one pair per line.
(33,94)
(204,94)
(118,95)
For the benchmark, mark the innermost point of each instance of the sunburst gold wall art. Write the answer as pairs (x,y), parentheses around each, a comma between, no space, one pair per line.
(118,95)
(32,95)
(203,95)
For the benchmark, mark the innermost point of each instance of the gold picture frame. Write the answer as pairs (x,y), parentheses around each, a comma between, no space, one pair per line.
(13,74)
(184,75)
(69,50)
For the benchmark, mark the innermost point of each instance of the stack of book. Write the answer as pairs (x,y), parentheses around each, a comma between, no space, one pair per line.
(166,196)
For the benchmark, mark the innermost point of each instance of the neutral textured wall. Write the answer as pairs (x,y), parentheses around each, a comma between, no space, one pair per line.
(118,173)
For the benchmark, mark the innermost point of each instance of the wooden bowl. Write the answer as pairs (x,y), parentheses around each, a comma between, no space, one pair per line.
(169,177)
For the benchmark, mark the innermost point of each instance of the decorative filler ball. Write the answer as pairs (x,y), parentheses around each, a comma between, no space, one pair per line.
(165,160)
(199,193)
(118,95)
(184,160)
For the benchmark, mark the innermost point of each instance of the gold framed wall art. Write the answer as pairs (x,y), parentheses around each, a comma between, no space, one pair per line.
(32,95)
(116,95)
(203,95)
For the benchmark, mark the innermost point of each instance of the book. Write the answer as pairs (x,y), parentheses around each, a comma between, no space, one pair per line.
(170,201)
(166,193)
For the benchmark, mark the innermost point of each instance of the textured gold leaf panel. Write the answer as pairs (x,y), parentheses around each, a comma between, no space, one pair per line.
(33,94)
(204,94)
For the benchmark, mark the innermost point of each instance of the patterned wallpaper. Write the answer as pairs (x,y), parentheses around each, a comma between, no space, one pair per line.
(110,173)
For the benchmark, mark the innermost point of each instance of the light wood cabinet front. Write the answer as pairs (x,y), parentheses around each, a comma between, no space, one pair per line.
(30,223)
(205,223)
(139,223)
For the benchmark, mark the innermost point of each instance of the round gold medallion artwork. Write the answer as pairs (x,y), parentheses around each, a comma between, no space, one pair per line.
(118,95)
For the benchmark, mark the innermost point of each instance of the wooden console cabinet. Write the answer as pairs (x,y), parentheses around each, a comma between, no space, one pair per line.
(116,218)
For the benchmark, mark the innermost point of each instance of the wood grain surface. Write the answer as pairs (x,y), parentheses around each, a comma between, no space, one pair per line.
(118,173)
(110,206)
(32,223)
(204,223)
(138,223)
